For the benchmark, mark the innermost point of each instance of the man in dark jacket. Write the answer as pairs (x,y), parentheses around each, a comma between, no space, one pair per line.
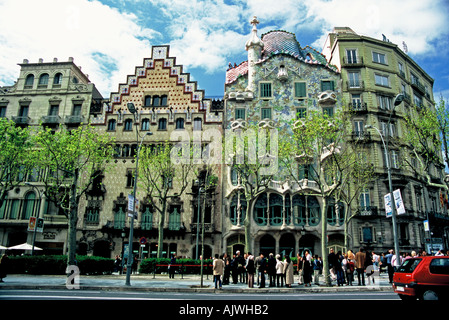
(271,269)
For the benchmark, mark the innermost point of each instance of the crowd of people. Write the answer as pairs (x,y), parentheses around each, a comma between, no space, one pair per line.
(278,271)
(270,271)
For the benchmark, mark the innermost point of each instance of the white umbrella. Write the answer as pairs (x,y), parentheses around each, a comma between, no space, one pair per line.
(24,246)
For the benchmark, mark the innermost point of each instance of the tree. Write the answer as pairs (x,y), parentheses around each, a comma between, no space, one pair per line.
(163,178)
(73,159)
(442,115)
(252,153)
(424,128)
(15,157)
(317,160)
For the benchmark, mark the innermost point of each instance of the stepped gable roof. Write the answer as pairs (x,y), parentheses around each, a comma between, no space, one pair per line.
(281,42)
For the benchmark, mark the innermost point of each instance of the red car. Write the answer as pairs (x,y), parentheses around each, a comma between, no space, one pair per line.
(426,278)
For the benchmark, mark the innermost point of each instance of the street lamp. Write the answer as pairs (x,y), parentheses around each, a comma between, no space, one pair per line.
(198,221)
(133,110)
(398,99)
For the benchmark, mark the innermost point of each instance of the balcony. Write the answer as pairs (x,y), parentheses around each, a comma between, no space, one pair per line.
(352,61)
(21,120)
(361,135)
(417,85)
(359,107)
(367,212)
(74,119)
(355,85)
(51,119)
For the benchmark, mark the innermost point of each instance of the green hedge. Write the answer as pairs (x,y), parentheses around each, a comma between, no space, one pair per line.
(188,266)
(55,265)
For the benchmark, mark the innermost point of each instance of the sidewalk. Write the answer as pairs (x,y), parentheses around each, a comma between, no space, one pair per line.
(161,283)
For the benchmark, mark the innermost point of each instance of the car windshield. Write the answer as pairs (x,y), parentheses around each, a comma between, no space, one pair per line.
(409,265)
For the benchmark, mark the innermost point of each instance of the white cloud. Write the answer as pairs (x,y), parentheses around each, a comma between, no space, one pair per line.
(94,34)
(109,42)
(416,22)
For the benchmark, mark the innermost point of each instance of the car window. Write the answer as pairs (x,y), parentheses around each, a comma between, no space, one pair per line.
(409,265)
(439,266)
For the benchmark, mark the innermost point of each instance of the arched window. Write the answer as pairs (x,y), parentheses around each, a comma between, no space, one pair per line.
(29,81)
(174,218)
(147,101)
(111,125)
(163,100)
(305,209)
(197,124)
(276,209)
(180,123)
(57,80)
(43,80)
(147,218)
(260,210)
(156,101)
(145,126)
(119,218)
(299,210)
(162,124)
(128,125)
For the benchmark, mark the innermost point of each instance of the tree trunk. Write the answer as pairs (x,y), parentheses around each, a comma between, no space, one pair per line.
(326,274)
(160,239)
(73,220)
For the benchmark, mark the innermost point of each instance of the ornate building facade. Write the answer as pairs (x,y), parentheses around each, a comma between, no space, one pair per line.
(279,83)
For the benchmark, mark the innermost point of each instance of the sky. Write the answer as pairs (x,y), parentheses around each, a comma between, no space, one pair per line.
(109,38)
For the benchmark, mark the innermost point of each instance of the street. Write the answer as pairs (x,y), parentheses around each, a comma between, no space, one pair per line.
(32,294)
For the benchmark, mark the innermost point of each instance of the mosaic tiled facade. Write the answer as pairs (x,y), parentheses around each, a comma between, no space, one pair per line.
(287,80)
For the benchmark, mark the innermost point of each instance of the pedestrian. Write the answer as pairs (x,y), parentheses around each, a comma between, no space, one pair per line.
(369,266)
(271,269)
(299,268)
(317,266)
(376,261)
(390,268)
(360,258)
(227,269)
(118,264)
(288,269)
(256,265)
(171,267)
(350,271)
(4,266)
(262,270)
(332,258)
(240,266)
(339,269)
(250,269)
(439,253)
(218,270)
(394,263)
(307,269)
(234,269)
(279,271)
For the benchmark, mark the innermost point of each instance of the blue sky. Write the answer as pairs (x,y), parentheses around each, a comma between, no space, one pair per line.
(109,38)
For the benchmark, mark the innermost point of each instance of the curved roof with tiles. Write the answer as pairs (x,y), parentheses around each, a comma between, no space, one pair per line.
(281,42)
